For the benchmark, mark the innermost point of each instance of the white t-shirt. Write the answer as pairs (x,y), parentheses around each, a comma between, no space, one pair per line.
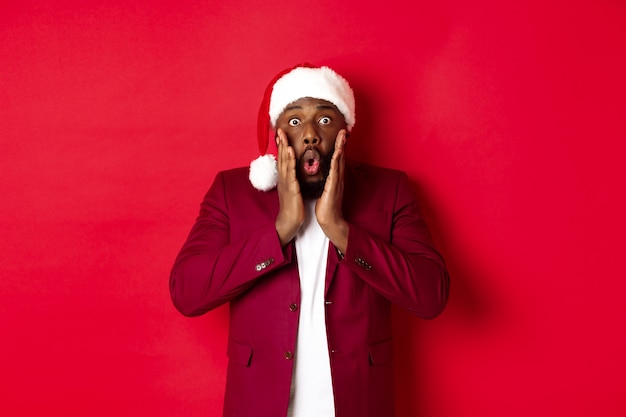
(311,385)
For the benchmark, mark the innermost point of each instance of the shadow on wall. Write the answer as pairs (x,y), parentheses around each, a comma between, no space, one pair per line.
(470,307)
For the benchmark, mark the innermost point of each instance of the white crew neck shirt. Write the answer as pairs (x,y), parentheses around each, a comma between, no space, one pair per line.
(311,384)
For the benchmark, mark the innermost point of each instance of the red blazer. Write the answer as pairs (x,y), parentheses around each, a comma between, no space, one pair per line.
(233,255)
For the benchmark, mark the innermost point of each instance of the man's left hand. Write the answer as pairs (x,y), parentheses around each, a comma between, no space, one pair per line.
(328,207)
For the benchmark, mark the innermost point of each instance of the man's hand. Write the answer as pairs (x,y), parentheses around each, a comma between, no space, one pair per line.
(291,214)
(328,207)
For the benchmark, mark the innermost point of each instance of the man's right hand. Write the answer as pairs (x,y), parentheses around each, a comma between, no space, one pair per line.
(291,214)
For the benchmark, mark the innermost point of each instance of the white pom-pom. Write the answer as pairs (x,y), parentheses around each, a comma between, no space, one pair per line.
(264,172)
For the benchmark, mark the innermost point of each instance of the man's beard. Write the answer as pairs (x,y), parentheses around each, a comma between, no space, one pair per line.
(311,190)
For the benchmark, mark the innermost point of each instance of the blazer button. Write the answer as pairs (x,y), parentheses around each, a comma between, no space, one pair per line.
(360,262)
(288,355)
(293,307)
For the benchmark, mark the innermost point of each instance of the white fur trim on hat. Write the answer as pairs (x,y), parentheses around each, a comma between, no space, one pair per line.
(321,83)
(264,172)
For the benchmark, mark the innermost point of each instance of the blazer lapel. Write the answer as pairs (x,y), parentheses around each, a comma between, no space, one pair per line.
(331,266)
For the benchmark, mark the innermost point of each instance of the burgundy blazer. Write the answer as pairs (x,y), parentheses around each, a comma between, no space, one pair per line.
(233,254)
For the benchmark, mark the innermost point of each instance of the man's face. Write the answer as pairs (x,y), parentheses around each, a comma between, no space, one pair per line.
(311,126)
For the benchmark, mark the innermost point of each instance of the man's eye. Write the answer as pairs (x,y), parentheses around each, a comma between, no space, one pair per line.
(324,120)
(294,122)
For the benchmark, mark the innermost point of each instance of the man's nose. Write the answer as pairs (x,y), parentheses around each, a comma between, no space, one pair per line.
(309,134)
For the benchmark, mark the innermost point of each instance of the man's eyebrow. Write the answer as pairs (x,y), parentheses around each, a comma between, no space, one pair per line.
(318,107)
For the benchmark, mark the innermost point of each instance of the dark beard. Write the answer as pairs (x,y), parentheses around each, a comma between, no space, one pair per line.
(311,190)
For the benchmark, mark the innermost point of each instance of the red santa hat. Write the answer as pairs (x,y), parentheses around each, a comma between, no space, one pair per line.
(288,86)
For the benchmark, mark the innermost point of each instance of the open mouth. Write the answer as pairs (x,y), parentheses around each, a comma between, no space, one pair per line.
(311,162)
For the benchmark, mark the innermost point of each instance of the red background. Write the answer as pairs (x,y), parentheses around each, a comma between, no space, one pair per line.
(509,120)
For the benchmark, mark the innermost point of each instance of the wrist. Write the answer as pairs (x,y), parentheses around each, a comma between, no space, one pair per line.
(286,231)
(338,234)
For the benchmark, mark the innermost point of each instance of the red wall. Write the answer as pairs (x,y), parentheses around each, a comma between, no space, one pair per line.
(508,118)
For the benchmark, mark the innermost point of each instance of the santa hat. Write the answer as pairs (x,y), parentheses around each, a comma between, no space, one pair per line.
(288,86)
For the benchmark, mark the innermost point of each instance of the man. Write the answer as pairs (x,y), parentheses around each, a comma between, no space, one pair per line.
(310,250)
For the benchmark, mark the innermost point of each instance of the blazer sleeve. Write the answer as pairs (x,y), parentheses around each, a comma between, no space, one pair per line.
(210,270)
(406,269)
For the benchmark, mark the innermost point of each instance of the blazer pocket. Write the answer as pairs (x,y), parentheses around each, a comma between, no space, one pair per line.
(239,353)
(381,353)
